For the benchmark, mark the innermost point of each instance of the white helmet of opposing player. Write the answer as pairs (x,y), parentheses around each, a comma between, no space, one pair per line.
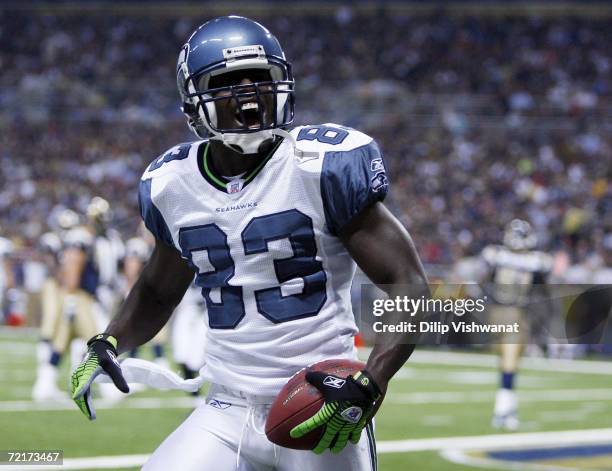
(519,235)
(99,209)
(67,219)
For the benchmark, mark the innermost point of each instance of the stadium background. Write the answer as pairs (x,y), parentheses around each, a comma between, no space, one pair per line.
(485,111)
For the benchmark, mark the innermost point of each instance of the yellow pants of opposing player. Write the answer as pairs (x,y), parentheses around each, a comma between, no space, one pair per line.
(511,346)
(60,328)
(50,308)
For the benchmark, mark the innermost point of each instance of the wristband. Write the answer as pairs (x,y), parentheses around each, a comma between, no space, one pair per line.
(108,338)
(366,382)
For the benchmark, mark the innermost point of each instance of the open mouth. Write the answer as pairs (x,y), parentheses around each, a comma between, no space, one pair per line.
(247,115)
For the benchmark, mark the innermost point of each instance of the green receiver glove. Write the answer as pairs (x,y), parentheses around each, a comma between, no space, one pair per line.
(101,357)
(349,404)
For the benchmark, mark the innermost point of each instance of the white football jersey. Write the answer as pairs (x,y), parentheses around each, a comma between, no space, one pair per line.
(275,276)
(109,250)
(513,273)
(103,255)
(138,248)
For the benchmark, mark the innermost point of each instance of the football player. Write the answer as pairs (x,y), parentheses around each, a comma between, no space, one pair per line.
(272,223)
(86,276)
(45,387)
(107,251)
(514,268)
(50,245)
(7,276)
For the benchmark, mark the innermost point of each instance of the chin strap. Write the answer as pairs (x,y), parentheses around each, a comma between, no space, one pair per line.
(243,143)
(248,144)
(300,154)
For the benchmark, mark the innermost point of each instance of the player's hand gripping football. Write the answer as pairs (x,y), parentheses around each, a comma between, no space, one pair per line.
(101,357)
(349,404)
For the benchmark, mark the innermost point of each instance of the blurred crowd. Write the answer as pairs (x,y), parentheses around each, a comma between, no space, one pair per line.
(481,119)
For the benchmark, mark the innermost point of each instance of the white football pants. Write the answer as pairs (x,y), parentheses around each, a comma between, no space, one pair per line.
(227,433)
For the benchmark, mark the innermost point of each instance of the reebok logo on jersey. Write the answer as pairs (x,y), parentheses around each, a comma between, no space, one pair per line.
(334,382)
(219,404)
(377,165)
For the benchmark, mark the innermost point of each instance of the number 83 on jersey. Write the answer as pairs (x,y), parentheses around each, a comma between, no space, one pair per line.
(206,248)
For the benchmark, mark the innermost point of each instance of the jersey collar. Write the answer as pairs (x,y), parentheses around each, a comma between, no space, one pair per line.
(220,182)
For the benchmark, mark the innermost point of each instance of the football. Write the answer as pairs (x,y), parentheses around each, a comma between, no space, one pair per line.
(299,400)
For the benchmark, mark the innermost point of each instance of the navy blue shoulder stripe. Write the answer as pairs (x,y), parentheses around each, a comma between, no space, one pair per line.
(351,181)
(151,216)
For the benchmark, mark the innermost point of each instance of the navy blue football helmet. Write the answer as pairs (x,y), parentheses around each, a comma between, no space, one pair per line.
(224,45)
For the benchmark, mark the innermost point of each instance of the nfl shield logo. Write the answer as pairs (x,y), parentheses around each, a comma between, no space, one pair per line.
(352,414)
(235,186)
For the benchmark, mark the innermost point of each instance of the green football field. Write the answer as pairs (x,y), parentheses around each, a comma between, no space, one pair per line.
(436,416)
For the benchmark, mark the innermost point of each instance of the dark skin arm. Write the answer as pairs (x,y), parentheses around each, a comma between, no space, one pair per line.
(396,262)
(156,293)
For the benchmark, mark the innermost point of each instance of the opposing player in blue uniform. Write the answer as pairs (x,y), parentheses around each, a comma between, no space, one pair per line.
(272,223)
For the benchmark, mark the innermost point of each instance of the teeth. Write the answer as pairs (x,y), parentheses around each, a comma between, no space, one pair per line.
(249,106)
